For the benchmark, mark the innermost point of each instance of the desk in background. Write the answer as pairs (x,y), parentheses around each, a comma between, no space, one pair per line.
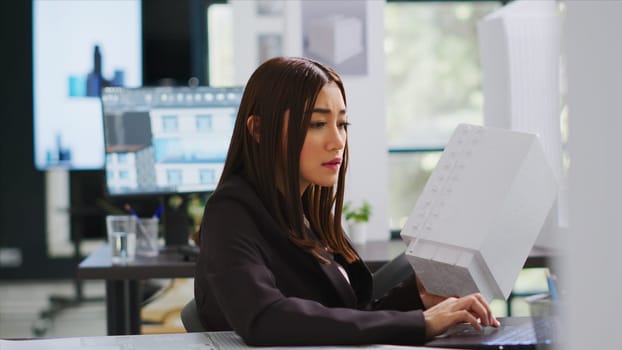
(123,295)
(123,301)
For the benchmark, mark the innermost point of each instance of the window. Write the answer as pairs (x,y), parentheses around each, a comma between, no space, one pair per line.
(169,123)
(207,176)
(204,122)
(122,158)
(220,42)
(433,84)
(408,173)
(173,177)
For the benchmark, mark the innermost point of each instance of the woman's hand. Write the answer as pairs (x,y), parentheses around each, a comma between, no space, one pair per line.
(471,309)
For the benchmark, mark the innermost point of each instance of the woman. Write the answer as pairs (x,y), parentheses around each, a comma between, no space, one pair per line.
(275,265)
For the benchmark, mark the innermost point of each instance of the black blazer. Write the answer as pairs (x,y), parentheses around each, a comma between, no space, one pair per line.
(252,279)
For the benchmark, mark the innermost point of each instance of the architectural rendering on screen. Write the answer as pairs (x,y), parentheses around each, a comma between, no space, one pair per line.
(167,140)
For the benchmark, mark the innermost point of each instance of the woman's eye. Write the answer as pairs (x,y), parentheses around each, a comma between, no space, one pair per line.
(344,125)
(316,125)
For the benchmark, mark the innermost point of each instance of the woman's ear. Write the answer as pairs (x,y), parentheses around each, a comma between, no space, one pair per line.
(252,125)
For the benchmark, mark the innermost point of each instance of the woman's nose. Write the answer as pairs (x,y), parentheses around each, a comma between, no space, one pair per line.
(337,138)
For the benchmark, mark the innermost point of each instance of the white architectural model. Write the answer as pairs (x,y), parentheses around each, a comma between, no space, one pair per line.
(336,38)
(480,212)
(519,46)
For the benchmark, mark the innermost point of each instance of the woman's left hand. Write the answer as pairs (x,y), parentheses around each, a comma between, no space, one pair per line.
(471,309)
(428,299)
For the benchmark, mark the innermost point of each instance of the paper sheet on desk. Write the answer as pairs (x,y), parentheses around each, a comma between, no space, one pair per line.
(195,341)
(152,342)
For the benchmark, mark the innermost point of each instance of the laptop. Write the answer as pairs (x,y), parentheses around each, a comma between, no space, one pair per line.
(514,333)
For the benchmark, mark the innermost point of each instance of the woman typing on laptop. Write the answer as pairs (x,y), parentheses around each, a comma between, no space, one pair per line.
(275,265)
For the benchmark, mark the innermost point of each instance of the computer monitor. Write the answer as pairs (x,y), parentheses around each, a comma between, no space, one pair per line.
(78,48)
(167,140)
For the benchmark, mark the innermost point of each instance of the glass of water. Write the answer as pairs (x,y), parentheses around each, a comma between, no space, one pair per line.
(122,237)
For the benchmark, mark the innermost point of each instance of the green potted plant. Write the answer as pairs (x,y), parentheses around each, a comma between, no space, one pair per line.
(357,218)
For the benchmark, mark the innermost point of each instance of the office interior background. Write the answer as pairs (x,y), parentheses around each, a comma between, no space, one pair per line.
(421,77)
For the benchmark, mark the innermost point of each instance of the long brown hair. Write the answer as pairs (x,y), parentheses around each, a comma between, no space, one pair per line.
(277,86)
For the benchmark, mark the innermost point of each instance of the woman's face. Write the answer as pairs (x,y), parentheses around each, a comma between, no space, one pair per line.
(322,151)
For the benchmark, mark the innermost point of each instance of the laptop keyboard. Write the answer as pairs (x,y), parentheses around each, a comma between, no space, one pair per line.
(517,335)
(510,334)
(546,328)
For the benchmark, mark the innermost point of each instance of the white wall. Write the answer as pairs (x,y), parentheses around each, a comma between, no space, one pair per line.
(593,268)
(368,176)
(368,170)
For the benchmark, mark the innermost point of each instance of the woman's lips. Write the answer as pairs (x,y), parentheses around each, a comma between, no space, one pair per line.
(333,164)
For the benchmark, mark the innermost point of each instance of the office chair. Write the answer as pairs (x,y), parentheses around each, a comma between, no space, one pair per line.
(390,275)
(190,317)
(387,276)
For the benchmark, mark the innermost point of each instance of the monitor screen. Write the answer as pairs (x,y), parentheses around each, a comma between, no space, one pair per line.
(79,47)
(161,140)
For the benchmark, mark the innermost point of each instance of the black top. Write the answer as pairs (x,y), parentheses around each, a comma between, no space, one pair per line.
(252,279)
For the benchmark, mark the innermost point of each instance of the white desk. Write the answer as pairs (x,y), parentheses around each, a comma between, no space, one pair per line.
(194,341)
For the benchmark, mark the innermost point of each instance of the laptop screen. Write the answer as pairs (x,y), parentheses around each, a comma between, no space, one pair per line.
(167,139)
